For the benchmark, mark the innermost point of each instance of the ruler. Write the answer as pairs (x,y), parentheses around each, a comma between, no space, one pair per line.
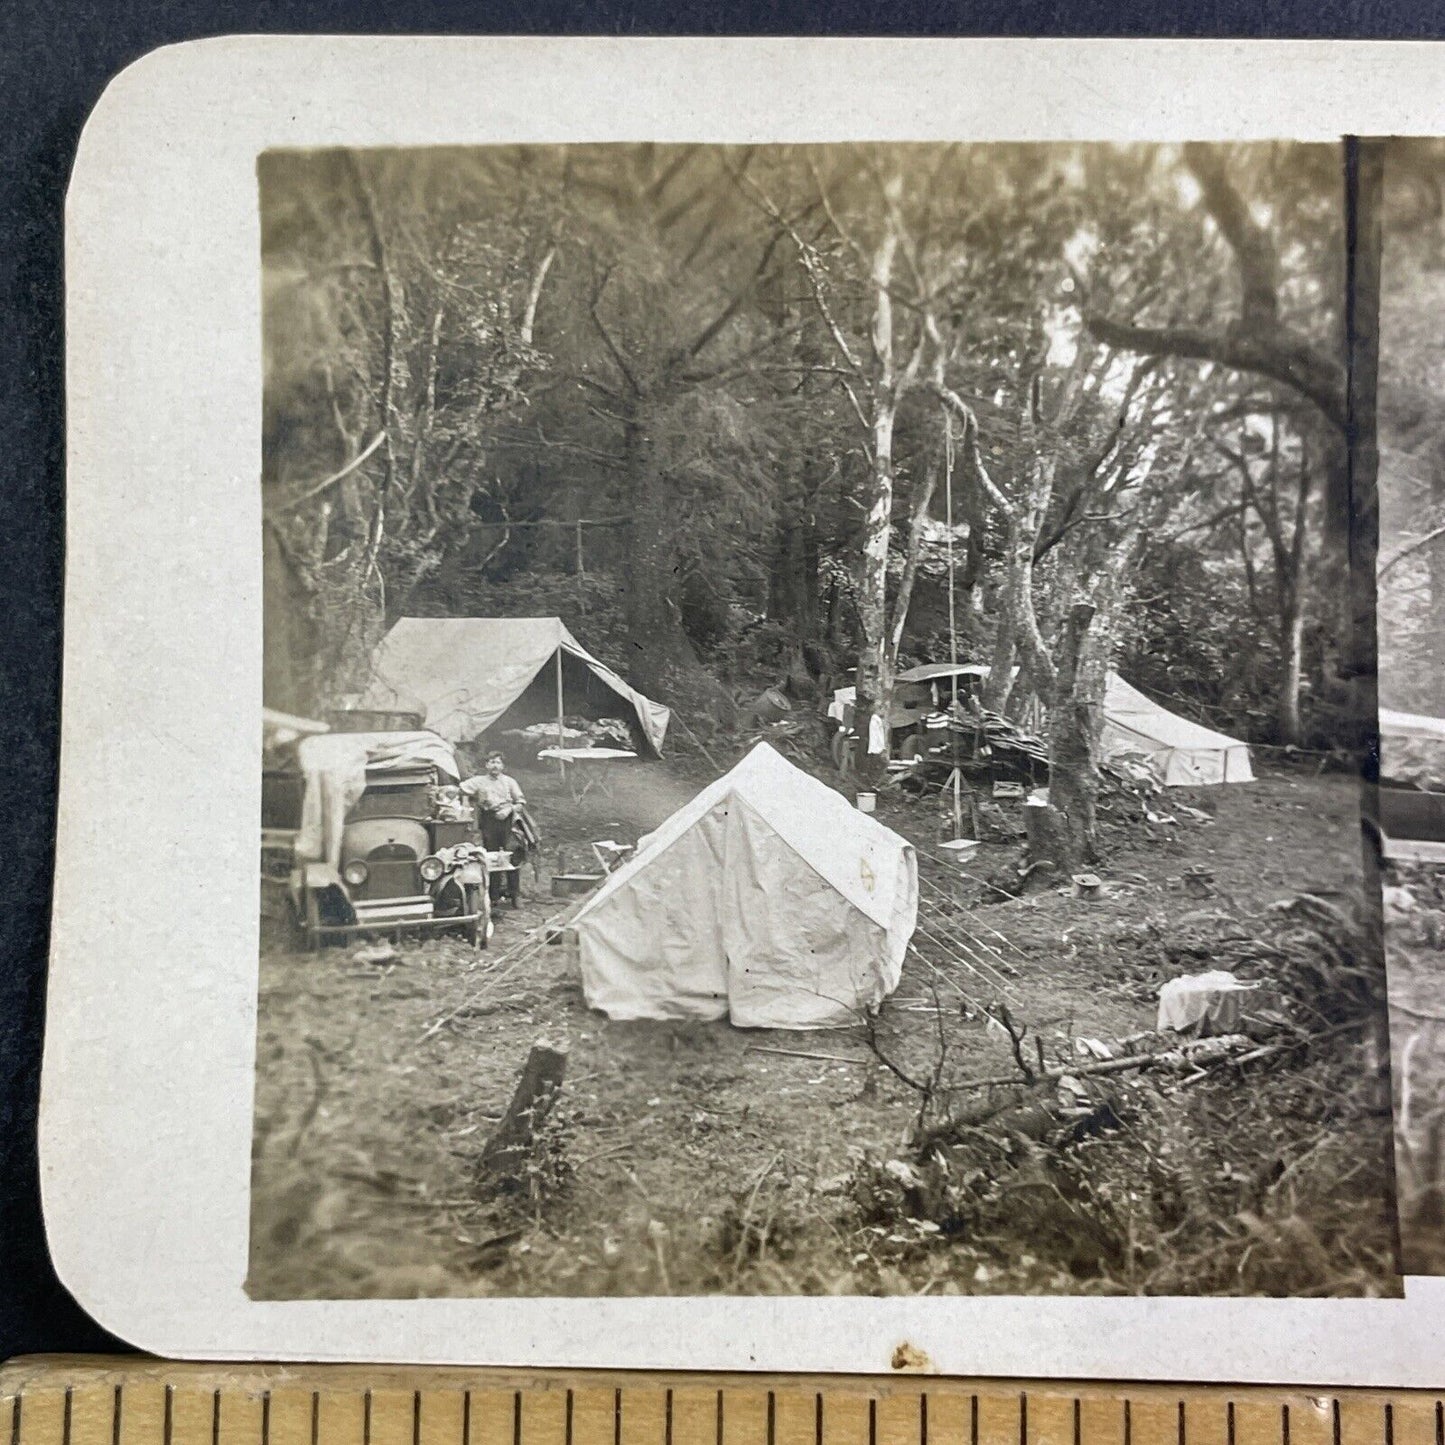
(60,1400)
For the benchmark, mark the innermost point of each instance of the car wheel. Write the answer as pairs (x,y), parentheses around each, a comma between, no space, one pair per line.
(479,930)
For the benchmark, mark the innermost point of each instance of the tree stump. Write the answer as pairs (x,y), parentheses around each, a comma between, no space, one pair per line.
(506,1153)
(1046,840)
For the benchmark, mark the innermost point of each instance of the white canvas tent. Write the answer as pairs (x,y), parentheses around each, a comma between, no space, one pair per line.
(767,900)
(1178,752)
(1412,748)
(464,673)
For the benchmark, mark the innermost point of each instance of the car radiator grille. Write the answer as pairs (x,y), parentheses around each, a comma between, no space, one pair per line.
(388,879)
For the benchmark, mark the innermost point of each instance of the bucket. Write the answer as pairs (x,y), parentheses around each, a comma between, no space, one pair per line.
(867,802)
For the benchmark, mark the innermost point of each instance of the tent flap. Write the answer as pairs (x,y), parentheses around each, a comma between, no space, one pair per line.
(463,673)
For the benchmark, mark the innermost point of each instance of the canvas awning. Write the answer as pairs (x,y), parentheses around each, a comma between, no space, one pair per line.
(464,673)
(932,671)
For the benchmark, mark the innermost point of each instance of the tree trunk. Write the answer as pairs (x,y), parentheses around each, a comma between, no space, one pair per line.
(793,562)
(913,555)
(291,635)
(1291,655)
(1365,174)
(1067,840)
(874,695)
(656,641)
(1001,662)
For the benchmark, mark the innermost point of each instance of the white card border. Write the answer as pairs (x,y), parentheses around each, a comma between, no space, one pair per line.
(147,1083)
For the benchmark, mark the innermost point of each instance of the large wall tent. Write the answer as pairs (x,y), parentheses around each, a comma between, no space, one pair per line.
(1412,749)
(467,674)
(767,900)
(1178,752)
(1408,808)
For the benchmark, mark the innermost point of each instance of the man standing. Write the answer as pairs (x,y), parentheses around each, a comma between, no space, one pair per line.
(497,798)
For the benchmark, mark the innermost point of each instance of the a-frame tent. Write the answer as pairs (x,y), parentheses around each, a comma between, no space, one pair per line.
(466,675)
(767,900)
(1178,752)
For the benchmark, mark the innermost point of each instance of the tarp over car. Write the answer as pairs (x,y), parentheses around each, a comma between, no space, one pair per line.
(463,673)
(767,900)
(1178,752)
(335,766)
(279,729)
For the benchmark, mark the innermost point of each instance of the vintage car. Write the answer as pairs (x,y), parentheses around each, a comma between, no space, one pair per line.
(926,730)
(378,850)
(919,696)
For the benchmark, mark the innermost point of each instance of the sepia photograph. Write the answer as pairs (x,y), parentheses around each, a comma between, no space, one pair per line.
(1409,819)
(812,727)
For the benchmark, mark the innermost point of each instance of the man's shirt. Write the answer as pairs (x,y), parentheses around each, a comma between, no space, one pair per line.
(491,794)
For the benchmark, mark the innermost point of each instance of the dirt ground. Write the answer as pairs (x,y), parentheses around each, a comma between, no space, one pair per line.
(687,1158)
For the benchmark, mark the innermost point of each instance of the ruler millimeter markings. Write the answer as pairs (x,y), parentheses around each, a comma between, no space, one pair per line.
(119,1401)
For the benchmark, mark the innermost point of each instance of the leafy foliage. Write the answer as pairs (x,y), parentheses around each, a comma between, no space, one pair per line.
(470,352)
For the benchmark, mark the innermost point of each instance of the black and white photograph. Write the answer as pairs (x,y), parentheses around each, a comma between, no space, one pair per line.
(812,726)
(1409,819)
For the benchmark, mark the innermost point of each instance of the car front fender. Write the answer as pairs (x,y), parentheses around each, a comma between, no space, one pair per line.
(316,876)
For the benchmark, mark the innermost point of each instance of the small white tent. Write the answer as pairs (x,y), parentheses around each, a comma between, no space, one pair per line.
(767,900)
(464,673)
(1178,752)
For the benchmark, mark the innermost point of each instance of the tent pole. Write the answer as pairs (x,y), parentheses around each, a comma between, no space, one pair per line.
(561,733)
(957,777)
(581,573)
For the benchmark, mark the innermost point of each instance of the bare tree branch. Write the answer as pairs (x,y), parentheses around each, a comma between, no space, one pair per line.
(1257,341)
(611,345)
(1416,544)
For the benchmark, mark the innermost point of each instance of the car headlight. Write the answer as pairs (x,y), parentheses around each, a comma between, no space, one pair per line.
(431,869)
(355,873)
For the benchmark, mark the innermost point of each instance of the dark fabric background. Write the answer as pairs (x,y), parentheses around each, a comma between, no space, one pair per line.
(55,58)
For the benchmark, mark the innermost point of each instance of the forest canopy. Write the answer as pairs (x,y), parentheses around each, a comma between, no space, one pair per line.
(742,416)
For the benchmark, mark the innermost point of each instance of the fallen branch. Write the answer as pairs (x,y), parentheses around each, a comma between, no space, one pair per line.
(802,1054)
(1142,1061)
